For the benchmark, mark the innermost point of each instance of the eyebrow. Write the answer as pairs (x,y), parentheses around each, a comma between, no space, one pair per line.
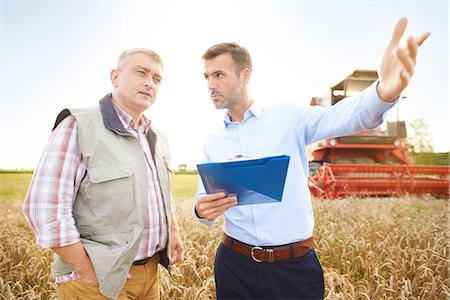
(149,71)
(215,72)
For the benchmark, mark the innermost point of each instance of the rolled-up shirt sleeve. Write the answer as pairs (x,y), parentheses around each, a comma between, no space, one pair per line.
(48,204)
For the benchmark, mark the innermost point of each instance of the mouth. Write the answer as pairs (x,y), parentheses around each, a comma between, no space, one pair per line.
(145,94)
(215,95)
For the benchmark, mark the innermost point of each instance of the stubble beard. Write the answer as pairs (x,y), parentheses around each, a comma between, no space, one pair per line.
(227,102)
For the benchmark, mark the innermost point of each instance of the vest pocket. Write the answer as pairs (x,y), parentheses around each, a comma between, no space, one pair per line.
(111,189)
(105,250)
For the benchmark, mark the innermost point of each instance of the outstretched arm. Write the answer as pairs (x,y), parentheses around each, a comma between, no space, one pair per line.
(397,65)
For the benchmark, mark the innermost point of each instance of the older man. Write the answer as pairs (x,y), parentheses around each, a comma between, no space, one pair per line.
(100,196)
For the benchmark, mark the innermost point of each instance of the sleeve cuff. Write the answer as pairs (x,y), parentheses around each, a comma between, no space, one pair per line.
(202,220)
(58,234)
(377,107)
(381,105)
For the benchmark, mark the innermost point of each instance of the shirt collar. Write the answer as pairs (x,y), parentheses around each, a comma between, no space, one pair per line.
(127,120)
(255,110)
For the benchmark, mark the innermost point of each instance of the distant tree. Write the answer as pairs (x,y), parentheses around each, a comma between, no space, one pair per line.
(182,167)
(419,136)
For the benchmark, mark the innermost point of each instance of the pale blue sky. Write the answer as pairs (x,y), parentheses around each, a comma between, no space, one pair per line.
(58,54)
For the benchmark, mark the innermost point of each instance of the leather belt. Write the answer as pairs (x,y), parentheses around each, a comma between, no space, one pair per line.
(142,262)
(270,255)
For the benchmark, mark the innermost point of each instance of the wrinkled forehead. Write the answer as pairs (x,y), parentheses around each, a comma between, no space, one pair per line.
(145,62)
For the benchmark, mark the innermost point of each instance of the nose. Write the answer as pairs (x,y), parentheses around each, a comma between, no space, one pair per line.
(149,82)
(211,84)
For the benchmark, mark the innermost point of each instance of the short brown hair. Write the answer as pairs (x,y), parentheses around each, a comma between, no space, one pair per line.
(127,53)
(239,54)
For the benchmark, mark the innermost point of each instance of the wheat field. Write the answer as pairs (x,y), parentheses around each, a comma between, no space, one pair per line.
(369,248)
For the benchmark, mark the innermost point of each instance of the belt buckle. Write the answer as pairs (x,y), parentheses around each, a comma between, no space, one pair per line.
(269,251)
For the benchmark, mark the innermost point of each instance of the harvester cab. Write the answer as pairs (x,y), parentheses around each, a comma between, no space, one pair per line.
(372,162)
(369,146)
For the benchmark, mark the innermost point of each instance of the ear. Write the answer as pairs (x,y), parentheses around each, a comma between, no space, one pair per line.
(246,73)
(114,77)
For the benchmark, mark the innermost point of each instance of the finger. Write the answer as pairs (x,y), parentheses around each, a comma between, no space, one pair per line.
(399,31)
(223,202)
(405,77)
(207,201)
(217,195)
(421,39)
(412,46)
(211,197)
(215,204)
(212,209)
(215,214)
(129,276)
(406,61)
(179,255)
(182,254)
(175,260)
(176,257)
(226,206)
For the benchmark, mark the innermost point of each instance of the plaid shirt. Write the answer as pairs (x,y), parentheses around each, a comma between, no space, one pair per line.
(49,201)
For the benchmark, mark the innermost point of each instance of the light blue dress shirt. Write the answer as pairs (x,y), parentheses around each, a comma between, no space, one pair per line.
(286,129)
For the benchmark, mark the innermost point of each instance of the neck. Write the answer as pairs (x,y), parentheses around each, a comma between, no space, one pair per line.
(135,116)
(237,112)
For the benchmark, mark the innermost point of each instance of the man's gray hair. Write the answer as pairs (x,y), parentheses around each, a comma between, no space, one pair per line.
(127,53)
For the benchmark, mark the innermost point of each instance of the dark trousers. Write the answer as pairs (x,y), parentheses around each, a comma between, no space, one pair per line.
(240,277)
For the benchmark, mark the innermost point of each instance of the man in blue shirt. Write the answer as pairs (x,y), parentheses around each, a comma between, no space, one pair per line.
(267,251)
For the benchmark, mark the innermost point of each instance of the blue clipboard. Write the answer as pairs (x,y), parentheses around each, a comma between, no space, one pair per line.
(253,181)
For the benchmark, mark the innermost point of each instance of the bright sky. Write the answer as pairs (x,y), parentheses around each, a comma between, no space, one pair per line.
(58,54)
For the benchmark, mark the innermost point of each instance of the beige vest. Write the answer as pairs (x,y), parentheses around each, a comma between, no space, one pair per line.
(111,203)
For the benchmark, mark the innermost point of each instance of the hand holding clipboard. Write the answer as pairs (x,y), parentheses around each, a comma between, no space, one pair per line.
(253,181)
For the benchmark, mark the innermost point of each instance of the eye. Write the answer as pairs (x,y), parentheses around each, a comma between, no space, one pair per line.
(157,80)
(140,72)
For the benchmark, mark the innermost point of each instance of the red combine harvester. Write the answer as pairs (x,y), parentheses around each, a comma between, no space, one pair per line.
(372,163)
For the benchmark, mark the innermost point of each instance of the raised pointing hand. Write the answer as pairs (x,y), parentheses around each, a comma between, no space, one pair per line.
(397,64)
